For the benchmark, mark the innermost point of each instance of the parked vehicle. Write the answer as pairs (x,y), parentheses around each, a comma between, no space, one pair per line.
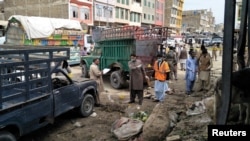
(114,46)
(206,42)
(3,25)
(216,40)
(43,31)
(39,95)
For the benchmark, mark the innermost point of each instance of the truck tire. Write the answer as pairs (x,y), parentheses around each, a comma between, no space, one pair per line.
(87,105)
(116,80)
(7,136)
(84,71)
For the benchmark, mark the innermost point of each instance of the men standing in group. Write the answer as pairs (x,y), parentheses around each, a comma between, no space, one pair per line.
(96,74)
(205,65)
(137,75)
(161,68)
(191,71)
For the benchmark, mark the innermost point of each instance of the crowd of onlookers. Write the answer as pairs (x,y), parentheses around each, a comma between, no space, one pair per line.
(195,62)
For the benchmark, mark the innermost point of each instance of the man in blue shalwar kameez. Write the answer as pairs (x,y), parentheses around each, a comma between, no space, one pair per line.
(191,71)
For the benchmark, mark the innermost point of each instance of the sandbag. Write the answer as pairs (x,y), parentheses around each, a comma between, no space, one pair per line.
(126,128)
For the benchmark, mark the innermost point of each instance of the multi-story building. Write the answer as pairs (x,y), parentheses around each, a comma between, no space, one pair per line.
(113,13)
(173,15)
(104,12)
(148,13)
(108,13)
(159,12)
(198,21)
(135,12)
(80,10)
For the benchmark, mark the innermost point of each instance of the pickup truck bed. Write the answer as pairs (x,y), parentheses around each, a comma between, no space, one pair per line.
(33,94)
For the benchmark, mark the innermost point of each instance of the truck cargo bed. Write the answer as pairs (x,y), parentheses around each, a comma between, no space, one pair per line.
(25,72)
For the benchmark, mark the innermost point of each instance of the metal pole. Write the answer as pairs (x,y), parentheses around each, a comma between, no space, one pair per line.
(229,17)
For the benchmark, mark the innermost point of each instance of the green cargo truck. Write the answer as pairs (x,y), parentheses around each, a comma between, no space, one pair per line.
(114,46)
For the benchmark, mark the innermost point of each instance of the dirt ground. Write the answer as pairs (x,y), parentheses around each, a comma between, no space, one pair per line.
(70,127)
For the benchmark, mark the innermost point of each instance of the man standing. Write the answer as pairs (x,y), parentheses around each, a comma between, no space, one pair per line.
(171,59)
(183,58)
(205,65)
(96,74)
(137,74)
(191,70)
(84,51)
(214,51)
(161,68)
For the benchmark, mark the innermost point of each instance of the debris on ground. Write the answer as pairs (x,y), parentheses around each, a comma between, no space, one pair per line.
(126,128)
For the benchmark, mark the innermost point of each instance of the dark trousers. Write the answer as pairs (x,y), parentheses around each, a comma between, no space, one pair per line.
(139,94)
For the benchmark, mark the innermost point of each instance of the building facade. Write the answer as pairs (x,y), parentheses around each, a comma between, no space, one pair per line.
(104,13)
(173,15)
(81,10)
(198,21)
(148,13)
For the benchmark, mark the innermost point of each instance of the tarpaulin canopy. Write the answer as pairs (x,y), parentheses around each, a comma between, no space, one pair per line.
(43,27)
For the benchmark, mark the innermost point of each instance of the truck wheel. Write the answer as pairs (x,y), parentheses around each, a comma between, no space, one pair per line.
(7,136)
(116,80)
(87,105)
(84,71)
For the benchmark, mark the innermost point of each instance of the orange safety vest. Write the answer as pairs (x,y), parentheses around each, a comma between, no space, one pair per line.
(161,71)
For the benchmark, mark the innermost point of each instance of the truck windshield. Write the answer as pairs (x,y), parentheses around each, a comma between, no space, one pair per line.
(97,51)
(89,39)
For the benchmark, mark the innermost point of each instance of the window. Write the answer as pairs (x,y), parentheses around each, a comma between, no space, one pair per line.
(153,17)
(74,11)
(98,10)
(123,1)
(145,2)
(131,16)
(126,14)
(149,4)
(153,5)
(148,17)
(138,17)
(157,5)
(110,12)
(135,16)
(144,16)
(127,2)
(118,1)
(157,17)
(89,39)
(122,13)
(84,13)
(117,12)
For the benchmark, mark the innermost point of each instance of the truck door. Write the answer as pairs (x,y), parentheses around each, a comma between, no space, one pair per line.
(66,94)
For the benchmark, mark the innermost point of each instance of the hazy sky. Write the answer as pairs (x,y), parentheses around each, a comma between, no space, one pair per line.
(217,7)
